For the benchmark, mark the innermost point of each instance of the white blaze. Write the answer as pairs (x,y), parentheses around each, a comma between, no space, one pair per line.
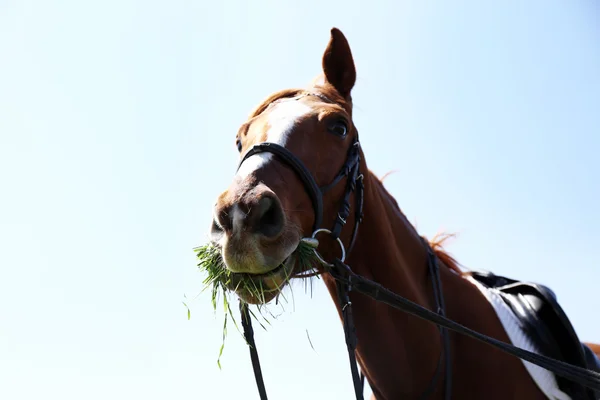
(282,120)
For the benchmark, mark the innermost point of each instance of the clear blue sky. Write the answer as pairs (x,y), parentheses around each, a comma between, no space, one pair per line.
(117,124)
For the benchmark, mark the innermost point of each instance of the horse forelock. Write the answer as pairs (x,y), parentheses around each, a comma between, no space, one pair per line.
(282,94)
(318,87)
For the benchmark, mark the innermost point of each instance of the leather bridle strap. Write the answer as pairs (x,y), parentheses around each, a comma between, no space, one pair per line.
(343,290)
(351,171)
(292,161)
(438,295)
(249,336)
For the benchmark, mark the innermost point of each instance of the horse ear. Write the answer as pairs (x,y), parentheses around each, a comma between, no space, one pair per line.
(338,64)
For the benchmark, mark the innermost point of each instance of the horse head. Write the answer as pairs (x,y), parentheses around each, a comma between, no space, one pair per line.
(296,149)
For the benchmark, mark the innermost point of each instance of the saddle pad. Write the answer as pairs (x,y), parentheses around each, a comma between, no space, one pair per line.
(543,378)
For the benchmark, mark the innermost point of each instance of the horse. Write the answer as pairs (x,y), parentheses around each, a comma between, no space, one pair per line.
(298,142)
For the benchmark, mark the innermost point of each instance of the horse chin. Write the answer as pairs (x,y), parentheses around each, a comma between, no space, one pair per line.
(262,288)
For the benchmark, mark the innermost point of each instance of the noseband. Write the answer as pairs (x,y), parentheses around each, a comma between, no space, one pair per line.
(354,183)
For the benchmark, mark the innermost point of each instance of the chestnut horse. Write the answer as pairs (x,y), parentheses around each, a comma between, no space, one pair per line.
(266,211)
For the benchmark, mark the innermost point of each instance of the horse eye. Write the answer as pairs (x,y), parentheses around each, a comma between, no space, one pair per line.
(339,128)
(238,143)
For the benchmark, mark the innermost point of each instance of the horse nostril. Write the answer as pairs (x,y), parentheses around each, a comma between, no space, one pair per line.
(215,227)
(221,220)
(270,219)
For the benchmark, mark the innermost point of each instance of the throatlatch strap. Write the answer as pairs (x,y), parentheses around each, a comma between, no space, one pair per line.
(249,336)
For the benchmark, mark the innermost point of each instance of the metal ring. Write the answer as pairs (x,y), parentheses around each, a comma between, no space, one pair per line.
(339,242)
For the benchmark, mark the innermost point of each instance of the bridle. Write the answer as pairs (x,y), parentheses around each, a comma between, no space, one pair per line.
(354,184)
(347,280)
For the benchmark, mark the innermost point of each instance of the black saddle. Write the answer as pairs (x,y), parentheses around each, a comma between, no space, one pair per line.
(545,321)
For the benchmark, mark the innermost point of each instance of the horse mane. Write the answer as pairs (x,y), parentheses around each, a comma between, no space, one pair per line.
(437,242)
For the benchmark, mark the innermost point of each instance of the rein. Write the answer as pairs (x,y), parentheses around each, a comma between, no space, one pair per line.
(584,377)
(347,280)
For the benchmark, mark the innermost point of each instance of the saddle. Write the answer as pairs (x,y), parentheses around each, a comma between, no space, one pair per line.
(544,320)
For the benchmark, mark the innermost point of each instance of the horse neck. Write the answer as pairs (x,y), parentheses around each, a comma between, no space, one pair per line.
(399,353)
(394,348)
